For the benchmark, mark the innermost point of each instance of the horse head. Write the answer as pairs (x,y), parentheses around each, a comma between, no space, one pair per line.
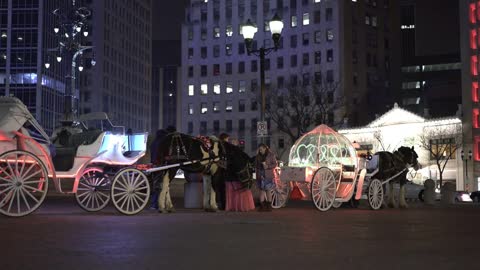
(409,156)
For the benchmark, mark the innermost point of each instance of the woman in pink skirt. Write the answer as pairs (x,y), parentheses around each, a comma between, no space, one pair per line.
(239,199)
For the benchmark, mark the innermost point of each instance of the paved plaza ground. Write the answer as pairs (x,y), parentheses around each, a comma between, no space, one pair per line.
(62,236)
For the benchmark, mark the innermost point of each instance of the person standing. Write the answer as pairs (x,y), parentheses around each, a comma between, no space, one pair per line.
(160,135)
(265,172)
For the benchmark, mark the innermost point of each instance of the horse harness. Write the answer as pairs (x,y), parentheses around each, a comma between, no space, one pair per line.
(178,151)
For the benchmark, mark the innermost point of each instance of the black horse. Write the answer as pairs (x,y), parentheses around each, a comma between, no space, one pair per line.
(196,156)
(398,162)
(235,166)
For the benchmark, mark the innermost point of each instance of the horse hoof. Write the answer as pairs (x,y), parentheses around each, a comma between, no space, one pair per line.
(391,205)
(210,210)
(404,206)
(162,211)
(171,210)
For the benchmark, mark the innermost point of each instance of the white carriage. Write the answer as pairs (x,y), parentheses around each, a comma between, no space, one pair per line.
(85,155)
(323,165)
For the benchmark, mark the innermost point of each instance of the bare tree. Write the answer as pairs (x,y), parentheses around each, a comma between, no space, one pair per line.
(442,144)
(296,109)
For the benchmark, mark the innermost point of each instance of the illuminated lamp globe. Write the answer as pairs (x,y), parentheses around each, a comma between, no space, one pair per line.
(249,30)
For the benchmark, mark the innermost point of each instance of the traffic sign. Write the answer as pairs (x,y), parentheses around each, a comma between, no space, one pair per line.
(262,128)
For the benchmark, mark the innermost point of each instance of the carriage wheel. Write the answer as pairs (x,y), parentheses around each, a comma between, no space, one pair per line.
(93,192)
(280,194)
(130,191)
(337,204)
(375,194)
(23,183)
(323,188)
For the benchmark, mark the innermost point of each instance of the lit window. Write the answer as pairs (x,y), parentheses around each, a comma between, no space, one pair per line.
(374,21)
(229,88)
(216,107)
(203,108)
(306,19)
(229,106)
(318,1)
(266,26)
(329,35)
(204,89)
(191,90)
(293,20)
(229,31)
(228,49)
(367,20)
(241,86)
(190,108)
(216,32)
(216,89)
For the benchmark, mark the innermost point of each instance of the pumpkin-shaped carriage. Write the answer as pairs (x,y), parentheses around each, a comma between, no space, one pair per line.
(88,156)
(324,165)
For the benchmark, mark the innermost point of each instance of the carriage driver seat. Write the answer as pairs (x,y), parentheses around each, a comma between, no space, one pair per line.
(66,152)
(348,173)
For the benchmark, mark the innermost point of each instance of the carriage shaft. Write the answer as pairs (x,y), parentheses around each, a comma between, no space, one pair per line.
(166,167)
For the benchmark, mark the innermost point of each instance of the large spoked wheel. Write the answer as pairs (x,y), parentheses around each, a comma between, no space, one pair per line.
(375,194)
(23,183)
(323,188)
(280,194)
(93,192)
(337,204)
(130,191)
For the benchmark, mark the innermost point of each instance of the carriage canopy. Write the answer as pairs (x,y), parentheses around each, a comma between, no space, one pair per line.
(322,147)
(14,115)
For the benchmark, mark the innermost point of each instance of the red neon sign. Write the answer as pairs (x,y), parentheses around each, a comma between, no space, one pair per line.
(478,10)
(475,122)
(473,39)
(475,91)
(476,148)
(474,65)
(472,16)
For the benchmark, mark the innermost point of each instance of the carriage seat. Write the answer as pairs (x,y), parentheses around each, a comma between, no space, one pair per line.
(372,164)
(65,155)
(348,173)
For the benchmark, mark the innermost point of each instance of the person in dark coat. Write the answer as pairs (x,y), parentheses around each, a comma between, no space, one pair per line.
(159,136)
(220,187)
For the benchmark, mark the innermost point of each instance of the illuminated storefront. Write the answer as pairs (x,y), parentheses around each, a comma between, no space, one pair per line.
(399,127)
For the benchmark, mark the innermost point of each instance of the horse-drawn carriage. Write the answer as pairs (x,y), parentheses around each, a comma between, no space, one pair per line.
(324,165)
(28,159)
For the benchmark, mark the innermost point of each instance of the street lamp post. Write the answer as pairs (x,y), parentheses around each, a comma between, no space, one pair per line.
(248,31)
(68,28)
(466,159)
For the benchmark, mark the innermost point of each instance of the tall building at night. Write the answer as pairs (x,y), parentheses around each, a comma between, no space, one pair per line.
(431,66)
(470,45)
(350,43)
(120,83)
(26,34)
(166,61)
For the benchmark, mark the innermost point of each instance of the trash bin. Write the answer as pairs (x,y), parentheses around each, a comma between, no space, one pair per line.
(193,190)
(429,192)
(448,193)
